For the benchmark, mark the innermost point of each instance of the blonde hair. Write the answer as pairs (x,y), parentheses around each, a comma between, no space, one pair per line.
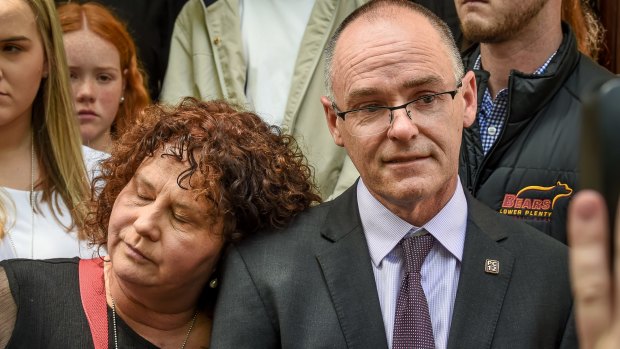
(56,134)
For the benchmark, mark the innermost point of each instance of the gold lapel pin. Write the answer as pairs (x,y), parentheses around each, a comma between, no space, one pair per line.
(491,266)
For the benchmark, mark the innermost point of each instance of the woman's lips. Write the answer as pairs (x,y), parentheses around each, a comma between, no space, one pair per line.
(135,253)
(87,115)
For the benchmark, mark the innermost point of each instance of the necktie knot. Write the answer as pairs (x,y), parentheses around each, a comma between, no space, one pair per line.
(415,250)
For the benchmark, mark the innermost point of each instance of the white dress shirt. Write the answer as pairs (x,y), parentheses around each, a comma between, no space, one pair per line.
(272,31)
(441,269)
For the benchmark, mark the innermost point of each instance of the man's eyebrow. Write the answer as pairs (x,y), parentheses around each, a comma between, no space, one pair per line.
(409,84)
(363,92)
(423,81)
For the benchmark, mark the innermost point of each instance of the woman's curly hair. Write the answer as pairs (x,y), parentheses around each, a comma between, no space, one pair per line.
(252,175)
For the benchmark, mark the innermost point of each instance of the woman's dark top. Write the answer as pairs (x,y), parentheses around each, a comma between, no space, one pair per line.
(49,307)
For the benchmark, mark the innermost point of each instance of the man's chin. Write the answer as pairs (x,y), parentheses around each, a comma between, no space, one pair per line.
(405,190)
(475,31)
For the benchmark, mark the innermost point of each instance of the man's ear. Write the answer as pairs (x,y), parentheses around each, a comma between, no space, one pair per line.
(470,98)
(332,121)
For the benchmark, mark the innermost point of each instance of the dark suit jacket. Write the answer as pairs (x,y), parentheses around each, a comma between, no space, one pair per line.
(311,286)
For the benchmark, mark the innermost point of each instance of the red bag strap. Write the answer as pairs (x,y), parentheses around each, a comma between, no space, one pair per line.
(92,292)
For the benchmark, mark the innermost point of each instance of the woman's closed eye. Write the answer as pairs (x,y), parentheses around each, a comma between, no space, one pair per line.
(142,199)
(180,218)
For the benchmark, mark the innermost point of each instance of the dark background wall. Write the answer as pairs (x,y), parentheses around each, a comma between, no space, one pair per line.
(609,13)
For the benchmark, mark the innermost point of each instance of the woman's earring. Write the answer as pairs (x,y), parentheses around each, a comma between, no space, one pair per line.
(213,283)
(122,99)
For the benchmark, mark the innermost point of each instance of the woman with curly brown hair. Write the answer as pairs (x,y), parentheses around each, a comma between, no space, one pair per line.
(178,187)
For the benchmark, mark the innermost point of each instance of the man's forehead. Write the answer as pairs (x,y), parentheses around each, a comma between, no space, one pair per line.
(405,48)
(385,34)
(386,18)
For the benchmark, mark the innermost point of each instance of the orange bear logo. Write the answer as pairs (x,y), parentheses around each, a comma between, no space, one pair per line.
(537,197)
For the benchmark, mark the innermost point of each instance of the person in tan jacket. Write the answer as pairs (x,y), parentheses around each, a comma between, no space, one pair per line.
(218,50)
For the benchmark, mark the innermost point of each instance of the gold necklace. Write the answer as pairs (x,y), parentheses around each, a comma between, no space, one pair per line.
(191,325)
(32,201)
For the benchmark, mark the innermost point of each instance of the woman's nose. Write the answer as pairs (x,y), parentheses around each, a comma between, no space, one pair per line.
(85,91)
(147,222)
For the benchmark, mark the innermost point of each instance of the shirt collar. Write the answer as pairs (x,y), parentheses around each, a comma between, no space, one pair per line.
(539,71)
(384,230)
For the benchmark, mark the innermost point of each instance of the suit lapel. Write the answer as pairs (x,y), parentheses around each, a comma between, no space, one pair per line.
(480,294)
(347,270)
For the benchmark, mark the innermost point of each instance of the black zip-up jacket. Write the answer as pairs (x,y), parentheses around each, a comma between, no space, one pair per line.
(531,172)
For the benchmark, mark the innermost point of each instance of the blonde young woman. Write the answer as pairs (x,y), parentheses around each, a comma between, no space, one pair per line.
(43,171)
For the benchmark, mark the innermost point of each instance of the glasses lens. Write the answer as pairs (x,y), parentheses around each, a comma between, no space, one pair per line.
(430,108)
(367,122)
(423,111)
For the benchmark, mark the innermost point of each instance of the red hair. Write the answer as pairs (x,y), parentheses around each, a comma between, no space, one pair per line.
(103,23)
(586,26)
(254,176)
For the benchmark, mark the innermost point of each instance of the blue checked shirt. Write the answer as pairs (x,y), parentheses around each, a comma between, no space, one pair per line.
(493,112)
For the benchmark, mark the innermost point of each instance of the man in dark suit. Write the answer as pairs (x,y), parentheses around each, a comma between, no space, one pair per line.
(404,258)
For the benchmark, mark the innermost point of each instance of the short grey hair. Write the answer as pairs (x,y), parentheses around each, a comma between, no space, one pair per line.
(374,9)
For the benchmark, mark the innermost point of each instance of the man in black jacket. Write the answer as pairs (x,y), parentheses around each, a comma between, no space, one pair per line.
(520,156)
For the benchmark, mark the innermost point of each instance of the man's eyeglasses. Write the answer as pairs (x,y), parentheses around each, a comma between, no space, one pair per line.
(373,120)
